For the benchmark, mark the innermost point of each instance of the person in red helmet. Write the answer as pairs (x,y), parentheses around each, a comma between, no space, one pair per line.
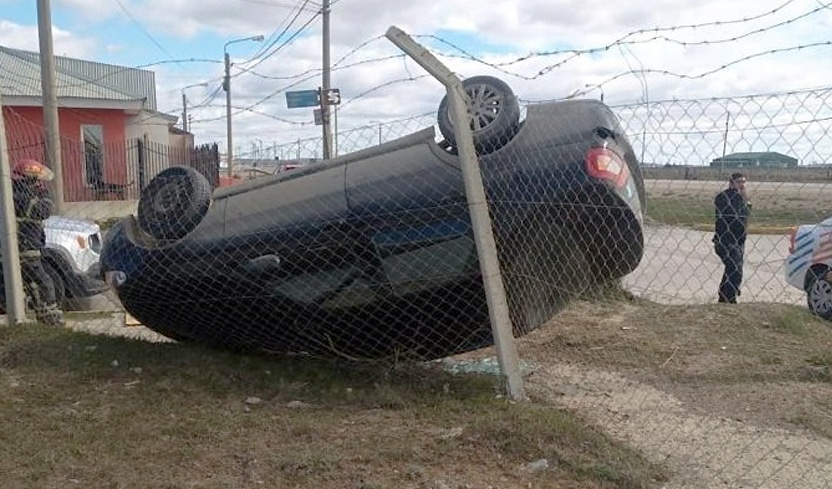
(32,205)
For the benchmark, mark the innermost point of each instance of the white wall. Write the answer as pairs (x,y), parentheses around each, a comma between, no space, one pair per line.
(153,124)
(153,127)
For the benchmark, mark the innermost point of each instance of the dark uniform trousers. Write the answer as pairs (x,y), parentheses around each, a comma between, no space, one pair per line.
(36,279)
(732,257)
(30,211)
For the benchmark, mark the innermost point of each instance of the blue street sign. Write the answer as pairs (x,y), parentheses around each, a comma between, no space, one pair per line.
(302,98)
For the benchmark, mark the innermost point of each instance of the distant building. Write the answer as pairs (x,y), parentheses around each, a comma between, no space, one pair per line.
(768,159)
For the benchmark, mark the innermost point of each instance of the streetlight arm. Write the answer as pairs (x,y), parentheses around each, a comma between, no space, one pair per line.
(257,38)
(185,103)
(227,86)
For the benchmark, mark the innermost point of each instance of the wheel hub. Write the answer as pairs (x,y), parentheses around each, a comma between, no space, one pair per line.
(820,296)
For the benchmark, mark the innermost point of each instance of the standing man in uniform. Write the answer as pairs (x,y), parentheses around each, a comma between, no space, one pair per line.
(732,209)
(32,205)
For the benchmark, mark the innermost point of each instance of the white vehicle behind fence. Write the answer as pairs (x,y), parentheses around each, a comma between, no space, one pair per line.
(809,265)
(71,258)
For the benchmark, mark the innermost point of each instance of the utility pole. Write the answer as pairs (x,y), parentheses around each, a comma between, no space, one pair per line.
(226,84)
(52,134)
(229,159)
(184,112)
(325,83)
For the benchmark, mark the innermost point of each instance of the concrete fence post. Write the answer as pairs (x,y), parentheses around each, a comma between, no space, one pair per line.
(15,296)
(478,207)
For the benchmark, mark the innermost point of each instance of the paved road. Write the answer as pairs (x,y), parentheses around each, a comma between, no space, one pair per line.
(680,267)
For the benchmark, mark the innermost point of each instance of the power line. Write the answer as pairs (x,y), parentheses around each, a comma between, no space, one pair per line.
(279,31)
(285,43)
(142,29)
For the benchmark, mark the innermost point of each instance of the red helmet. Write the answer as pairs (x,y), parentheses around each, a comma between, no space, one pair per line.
(29,168)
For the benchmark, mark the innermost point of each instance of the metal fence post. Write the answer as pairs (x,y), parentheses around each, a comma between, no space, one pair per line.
(141,163)
(478,206)
(15,303)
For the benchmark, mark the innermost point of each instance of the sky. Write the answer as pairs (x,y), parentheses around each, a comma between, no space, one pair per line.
(630,51)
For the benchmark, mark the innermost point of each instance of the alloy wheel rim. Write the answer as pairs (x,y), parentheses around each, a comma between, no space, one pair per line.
(820,296)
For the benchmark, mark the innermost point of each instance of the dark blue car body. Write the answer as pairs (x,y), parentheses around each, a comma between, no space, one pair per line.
(372,254)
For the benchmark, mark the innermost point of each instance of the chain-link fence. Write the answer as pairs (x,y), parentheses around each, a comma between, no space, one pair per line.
(372,255)
(687,149)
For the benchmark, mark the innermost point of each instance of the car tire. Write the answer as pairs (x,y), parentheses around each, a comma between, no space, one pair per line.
(174,203)
(494,109)
(819,292)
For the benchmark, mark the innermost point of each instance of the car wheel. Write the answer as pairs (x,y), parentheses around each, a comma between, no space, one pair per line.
(819,293)
(494,113)
(174,203)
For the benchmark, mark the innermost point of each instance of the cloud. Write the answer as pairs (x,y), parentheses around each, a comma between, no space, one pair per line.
(632,52)
(92,10)
(26,37)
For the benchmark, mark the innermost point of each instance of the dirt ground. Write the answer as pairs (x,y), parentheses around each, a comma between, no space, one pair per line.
(726,396)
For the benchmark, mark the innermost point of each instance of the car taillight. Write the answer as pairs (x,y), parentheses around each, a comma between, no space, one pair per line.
(792,235)
(605,164)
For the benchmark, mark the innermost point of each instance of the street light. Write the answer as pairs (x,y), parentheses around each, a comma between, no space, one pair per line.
(227,86)
(185,104)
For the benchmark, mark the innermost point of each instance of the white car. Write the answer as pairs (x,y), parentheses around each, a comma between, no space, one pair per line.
(809,265)
(71,258)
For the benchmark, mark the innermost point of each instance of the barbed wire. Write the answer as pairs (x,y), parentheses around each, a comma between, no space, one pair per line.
(699,75)
(499,66)
(579,92)
(625,40)
(380,86)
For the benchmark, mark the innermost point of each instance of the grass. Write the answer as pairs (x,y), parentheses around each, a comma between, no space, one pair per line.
(697,211)
(96,411)
(755,336)
(763,360)
(774,208)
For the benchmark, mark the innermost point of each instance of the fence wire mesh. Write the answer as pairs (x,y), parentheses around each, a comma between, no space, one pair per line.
(371,255)
(686,150)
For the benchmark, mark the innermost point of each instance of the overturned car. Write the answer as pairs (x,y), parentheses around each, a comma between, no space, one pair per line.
(372,253)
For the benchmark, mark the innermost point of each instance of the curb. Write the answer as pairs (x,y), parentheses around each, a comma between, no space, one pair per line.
(769,230)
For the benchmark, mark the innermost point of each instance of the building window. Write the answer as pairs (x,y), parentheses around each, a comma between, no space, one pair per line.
(93,136)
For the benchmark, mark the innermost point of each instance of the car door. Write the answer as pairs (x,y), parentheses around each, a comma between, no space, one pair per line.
(287,232)
(408,210)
